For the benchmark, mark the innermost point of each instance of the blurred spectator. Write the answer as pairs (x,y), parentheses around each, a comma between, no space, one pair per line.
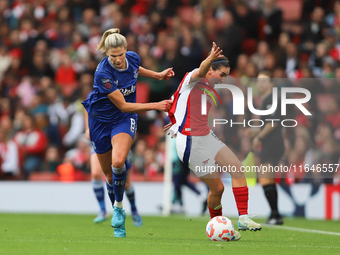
(164,8)
(44,84)
(5,107)
(245,18)
(40,67)
(138,161)
(333,114)
(269,62)
(231,48)
(9,156)
(190,47)
(291,60)
(52,159)
(173,57)
(317,57)
(65,76)
(280,49)
(33,143)
(151,165)
(259,57)
(160,155)
(146,35)
(5,61)
(272,16)
(328,65)
(69,117)
(158,89)
(241,66)
(25,91)
(313,29)
(51,130)
(80,156)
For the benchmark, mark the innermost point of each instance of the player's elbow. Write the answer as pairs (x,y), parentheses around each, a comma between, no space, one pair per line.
(201,74)
(124,108)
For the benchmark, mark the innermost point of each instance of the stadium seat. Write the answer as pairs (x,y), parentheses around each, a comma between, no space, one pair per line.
(249,46)
(291,9)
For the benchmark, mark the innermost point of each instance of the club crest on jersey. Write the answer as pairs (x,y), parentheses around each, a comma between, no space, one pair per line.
(206,161)
(107,83)
(135,73)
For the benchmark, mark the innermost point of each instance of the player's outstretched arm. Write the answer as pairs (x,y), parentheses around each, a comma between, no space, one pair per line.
(164,75)
(118,99)
(202,71)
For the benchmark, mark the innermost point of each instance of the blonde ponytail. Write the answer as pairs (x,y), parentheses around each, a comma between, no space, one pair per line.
(111,39)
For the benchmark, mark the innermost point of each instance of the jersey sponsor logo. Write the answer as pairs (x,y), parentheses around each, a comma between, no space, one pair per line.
(135,73)
(107,83)
(128,91)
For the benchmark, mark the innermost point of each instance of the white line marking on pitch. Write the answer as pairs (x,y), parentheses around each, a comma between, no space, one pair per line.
(303,230)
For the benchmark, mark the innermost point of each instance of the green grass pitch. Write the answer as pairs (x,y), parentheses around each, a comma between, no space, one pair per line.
(76,234)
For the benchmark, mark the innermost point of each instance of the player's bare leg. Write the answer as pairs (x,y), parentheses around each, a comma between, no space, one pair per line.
(216,189)
(225,157)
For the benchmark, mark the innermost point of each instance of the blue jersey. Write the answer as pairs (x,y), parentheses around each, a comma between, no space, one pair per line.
(107,79)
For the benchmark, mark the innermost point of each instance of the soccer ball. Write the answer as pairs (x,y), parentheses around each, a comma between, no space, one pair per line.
(220,228)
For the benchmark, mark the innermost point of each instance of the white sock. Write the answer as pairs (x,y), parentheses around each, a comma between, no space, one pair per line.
(118,204)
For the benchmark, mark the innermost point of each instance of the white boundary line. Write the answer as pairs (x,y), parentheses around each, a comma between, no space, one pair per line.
(303,230)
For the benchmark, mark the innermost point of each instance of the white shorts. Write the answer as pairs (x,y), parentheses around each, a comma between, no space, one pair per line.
(198,151)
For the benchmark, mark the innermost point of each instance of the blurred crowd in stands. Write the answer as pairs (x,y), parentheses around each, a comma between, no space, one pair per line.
(48,57)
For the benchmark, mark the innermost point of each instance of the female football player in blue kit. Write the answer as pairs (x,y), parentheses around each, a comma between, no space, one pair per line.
(98,187)
(112,114)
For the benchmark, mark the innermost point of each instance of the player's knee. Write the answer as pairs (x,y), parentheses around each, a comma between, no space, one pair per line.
(96,176)
(118,163)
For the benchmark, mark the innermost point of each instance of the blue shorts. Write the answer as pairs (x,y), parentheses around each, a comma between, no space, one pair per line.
(102,133)
(127,161)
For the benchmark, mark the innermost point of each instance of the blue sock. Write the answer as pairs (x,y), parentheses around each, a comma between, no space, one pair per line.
(118,181)
(98,189)
(130,193)
(110,192)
